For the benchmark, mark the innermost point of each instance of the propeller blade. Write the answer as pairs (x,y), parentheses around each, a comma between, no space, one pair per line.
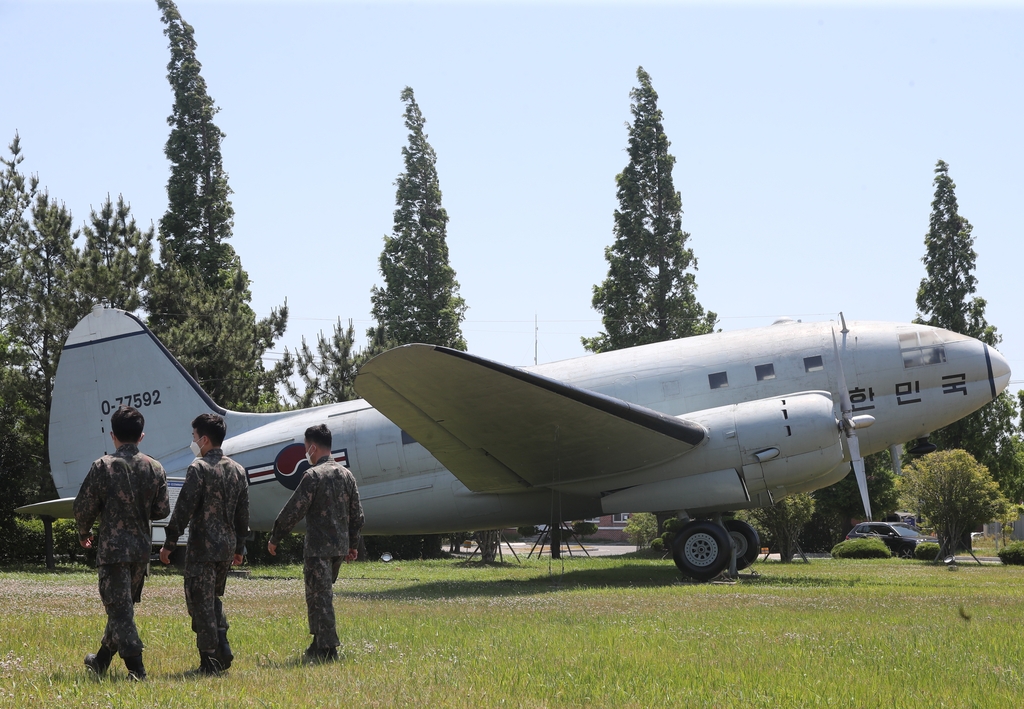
(850,428)
(860,474)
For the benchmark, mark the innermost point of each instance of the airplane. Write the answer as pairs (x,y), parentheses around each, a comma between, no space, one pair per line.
(444,440)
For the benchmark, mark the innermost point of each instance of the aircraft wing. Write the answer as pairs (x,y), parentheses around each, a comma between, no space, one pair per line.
(498,428)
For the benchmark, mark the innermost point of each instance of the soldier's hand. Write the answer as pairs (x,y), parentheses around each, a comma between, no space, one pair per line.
(86,543)
(165,555)
(272,548)
(352,555)
(237,561)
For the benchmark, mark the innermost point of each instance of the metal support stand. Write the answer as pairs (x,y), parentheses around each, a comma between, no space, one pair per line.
(542,539)
(733,571)
(501,558)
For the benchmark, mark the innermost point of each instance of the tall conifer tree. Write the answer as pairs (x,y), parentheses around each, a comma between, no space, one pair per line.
(199,216)
(946,299)
(419,301)
(198,298)
(649,293)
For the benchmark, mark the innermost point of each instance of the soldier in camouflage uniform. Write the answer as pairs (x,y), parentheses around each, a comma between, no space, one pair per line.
(214,504)
(125,491)
(329,500)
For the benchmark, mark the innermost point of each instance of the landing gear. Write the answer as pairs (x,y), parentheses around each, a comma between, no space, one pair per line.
(702,550)
(746,541)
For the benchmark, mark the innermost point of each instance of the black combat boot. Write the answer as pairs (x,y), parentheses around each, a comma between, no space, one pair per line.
(224,655)
(208,664)
(321,654)
(136,670)
(99,662)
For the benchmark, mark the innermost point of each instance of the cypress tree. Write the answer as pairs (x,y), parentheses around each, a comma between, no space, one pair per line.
(649,293)
(946,299)
(198,297)
(199,216)
(419,301)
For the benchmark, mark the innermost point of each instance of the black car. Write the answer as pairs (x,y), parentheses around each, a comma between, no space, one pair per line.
(902,539)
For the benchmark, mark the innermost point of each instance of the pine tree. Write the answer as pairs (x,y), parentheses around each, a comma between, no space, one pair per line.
(648,295)
(329,375)
(16,196)
(117,258)
(946,299)
(419,301)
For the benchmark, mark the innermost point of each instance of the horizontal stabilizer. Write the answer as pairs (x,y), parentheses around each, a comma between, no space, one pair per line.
(60,509)
(498,428)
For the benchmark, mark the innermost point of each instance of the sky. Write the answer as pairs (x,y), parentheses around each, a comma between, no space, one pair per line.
(806,136)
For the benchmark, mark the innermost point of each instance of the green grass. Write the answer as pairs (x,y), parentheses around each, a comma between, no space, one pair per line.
(621,631)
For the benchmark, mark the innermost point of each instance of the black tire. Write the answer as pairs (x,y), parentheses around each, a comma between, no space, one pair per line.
(906,552)
(746,540)
(702,550)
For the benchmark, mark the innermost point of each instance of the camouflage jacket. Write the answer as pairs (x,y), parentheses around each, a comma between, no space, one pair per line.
(214,505)
(329,500)
(124,491)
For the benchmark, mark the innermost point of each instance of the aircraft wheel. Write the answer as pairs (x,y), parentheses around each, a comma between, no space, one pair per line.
(701,550)
(746,541)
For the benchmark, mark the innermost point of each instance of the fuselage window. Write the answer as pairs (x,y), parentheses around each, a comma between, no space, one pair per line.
(718,380)
(764,371)
(813,364)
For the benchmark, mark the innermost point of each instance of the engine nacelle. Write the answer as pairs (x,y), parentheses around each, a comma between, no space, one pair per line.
(756,451)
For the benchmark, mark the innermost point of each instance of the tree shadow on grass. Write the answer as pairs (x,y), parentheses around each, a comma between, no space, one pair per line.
(625,576)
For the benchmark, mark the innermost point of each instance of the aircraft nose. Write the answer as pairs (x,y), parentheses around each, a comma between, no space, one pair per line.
(999,369)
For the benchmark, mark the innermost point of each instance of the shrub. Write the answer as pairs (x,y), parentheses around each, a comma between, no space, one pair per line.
(861,549)
(927,551)
(584,529)
(1012,554)
(529,530)
(657,544)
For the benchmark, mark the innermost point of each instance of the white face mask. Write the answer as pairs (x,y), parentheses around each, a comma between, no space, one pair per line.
(196,450)
(309,458)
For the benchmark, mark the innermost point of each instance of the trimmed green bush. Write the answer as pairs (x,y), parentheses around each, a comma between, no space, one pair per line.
(657,544)
(861,549)
(927,551)
(1012,554)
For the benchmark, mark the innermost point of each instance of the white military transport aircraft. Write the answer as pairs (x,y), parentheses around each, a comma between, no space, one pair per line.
(445,441)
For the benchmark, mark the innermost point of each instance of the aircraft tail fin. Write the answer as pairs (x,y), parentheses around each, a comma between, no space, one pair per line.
(112,358)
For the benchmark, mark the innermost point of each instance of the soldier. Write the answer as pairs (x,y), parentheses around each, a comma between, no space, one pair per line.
(327,497)
(125,491)
(214,504)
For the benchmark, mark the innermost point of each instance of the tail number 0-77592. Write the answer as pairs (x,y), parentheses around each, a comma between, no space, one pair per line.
(145,398)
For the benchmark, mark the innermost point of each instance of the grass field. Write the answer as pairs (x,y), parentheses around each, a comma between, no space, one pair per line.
(618,631)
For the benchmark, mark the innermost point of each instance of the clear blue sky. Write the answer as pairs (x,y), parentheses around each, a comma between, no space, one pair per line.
(805,135)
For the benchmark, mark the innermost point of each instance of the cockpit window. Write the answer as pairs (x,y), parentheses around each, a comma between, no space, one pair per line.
(921,347)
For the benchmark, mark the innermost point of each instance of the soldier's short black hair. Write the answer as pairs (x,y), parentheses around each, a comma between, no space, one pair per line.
(320,435)
(127,424)
(212,426)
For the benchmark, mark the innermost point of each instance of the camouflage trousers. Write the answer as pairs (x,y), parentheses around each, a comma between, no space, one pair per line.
(204,585)
(320,573)
(120,590)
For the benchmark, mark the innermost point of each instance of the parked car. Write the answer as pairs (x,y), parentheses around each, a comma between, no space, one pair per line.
(902,539)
